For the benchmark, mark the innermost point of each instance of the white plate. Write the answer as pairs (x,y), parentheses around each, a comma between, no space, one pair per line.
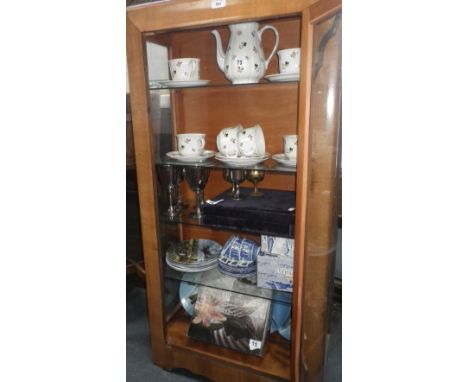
(281,158)
(283,77)
(192,158)
(191,270)
(183,84)
(188,288)
(241,161)
(193,253)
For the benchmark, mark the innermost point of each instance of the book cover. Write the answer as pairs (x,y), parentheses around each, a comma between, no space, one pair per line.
(232,320)
(275,272)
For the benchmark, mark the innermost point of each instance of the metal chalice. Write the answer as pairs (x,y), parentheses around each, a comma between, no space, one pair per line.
(255,176)
(237,177)
(197,177)
(168,178)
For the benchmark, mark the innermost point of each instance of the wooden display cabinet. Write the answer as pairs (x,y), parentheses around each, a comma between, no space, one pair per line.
(309,108)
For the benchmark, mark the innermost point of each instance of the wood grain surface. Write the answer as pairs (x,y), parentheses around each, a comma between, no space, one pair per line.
(185,14)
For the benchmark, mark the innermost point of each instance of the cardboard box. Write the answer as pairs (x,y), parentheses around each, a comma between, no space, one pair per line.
(275,271)
(277,245)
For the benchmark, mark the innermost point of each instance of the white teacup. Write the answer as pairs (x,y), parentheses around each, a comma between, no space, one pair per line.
(227,141)
(251,141)
(184,69)
(290,146)
(191,144)
(289,60)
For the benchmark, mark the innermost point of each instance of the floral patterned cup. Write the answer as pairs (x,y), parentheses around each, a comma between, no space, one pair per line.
(289,60)
(290,146)
(191,144)
(227,141)
(184,69)
(251,141)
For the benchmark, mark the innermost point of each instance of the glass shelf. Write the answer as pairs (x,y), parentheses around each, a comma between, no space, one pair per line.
(215,279)
(154,86)
(184,218)
(270,165)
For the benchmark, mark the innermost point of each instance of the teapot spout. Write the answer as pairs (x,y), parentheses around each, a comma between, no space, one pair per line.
(219,50)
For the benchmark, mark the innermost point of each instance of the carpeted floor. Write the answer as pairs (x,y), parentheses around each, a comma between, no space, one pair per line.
(140,367)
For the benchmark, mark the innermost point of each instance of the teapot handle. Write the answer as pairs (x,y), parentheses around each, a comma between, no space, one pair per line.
(276,42)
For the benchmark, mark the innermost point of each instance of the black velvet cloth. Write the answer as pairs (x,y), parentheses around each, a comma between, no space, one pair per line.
(267,214)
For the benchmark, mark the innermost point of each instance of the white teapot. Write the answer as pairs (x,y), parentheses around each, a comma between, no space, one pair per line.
(244,62)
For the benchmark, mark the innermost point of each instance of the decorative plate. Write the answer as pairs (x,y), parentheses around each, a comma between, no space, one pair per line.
(280,310)
(237,275)
(188,291)
(188,269)
(194,253)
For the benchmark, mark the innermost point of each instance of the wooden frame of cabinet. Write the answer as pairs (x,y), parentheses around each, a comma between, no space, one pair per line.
(315,196)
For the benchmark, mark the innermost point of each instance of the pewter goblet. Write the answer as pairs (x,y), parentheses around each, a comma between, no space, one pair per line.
(181,176)
(196,179)
(255,176)
(237,177)
(227,178)
(167,176)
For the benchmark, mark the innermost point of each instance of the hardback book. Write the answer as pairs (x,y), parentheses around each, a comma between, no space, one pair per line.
(232,320)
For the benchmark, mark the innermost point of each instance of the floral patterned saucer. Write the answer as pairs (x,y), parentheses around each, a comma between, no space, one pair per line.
(281,158)
(183,84)
(283,77)
(207,154)
(241,161)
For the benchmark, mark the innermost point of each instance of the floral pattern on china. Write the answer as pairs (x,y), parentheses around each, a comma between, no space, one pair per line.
(244,62)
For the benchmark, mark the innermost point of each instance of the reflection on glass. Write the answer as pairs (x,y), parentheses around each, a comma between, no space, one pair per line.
(196,178)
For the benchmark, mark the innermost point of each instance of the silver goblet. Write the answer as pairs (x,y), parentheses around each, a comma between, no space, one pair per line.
(167,176)
(196,178)
(227,178)
(237,177)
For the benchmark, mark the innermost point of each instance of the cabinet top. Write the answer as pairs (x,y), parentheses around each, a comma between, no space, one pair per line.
(173,14)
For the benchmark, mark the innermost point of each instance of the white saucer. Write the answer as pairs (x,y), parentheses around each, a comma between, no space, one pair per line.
(281,158)
(192,158)
(241,161)
(283,77)
(183,84)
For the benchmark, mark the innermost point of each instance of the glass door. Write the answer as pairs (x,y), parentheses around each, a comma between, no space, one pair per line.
(322,80)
